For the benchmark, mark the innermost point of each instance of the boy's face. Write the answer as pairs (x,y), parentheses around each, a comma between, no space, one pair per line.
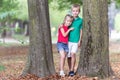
(75,11)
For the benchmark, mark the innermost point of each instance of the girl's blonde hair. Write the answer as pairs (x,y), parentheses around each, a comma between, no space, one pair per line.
(67,15)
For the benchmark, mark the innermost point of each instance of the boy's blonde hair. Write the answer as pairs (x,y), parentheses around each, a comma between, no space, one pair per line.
(75,6)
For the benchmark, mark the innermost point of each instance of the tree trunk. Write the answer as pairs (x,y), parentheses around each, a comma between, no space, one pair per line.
(94,55)
(40,59)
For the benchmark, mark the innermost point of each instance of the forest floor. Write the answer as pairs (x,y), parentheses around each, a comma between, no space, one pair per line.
(12,62)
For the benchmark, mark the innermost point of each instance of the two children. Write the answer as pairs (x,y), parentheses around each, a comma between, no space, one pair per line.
(73,40)
(62,43)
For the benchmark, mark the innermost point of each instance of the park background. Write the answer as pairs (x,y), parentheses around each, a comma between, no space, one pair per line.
(14,34)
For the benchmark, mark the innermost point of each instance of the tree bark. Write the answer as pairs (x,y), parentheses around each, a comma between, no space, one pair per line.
(94,55)
(40,58)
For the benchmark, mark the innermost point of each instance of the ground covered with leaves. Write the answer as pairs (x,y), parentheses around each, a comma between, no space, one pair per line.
(12,62)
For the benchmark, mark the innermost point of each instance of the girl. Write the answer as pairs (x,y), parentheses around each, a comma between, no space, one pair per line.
(62,43)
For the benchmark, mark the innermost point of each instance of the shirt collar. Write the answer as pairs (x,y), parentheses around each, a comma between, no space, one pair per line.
(77,18)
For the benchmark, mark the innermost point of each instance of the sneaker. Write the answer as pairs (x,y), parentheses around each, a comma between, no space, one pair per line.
(62,73)
(71,73)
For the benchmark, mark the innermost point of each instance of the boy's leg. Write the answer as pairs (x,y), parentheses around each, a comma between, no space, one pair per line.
(73,58)
(69,62)
(69,55)
(73,61)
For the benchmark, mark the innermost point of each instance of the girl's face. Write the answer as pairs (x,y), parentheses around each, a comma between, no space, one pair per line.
(68,21)
(75,12)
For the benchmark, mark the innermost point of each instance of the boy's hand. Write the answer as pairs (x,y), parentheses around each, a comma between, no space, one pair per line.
(79,43)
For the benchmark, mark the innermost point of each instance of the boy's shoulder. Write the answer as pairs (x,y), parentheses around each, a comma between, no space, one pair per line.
(80,18)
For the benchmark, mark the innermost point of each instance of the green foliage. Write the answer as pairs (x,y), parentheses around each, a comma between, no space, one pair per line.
(7,9)
(1,2)
(63,4)
(118,3)
(2,28)
(4,15)
(22,12)
(17,29)
(8,5)
(117,22)
(109,1)
(13,9)
(56,17)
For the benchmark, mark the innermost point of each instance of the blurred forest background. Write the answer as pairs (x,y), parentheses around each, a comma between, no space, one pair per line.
(14,19)
(14,32)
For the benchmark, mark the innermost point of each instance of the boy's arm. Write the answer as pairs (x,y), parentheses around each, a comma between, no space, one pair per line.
(80,40)
(65,33)
(79,43)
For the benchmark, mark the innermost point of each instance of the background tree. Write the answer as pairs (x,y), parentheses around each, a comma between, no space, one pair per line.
(94,55)
(118,3)
(40,58)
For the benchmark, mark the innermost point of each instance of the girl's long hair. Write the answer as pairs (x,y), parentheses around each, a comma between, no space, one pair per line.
(67,15)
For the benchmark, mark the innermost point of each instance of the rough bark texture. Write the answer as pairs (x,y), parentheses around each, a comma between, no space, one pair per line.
(94,55)
(40,58)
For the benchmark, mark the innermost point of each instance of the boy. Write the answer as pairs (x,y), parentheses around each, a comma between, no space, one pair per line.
(74,38)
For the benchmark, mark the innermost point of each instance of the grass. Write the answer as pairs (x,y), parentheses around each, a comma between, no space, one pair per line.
(7,44)
(20,40)
(11,44)
(117,20)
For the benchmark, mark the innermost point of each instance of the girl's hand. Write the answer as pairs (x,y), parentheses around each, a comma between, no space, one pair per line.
(71,28)
(60,25)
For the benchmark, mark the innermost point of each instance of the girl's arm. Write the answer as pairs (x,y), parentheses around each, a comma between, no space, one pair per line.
(65,33)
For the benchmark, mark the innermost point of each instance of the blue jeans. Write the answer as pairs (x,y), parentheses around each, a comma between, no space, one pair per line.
(62,47)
